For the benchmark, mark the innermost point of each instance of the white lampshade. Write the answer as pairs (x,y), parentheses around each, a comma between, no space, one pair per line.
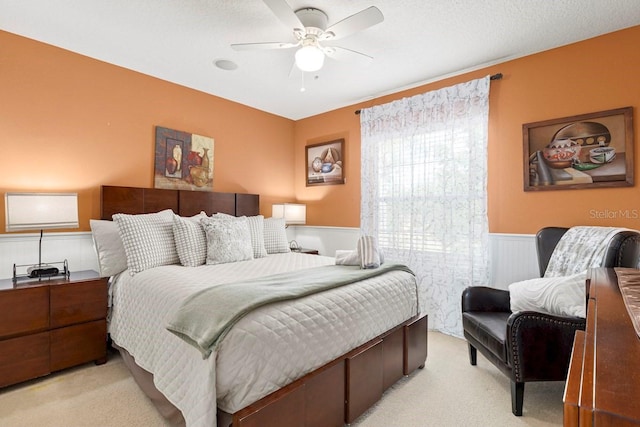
(309,58)
(293,213)
(39,211)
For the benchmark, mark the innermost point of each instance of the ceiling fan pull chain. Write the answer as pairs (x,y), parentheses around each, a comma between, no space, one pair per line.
(302,89)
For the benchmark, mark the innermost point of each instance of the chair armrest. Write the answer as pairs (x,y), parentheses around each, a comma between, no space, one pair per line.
(482,298)
(539,345)
(627,250)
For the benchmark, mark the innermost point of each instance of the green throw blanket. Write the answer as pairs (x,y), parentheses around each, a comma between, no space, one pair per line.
(206,317)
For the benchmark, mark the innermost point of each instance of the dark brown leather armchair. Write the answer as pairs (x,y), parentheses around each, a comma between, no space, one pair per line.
(531,346)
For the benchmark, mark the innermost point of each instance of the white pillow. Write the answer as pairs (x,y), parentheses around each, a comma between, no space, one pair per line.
(112,258)
(561,296)
(275,236)
(191,240)
(256,228)
(148,239)
(228,240)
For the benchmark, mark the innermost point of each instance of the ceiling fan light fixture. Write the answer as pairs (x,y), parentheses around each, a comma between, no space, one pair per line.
(309,58)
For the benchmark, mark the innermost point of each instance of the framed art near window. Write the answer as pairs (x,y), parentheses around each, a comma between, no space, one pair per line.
(325,163)
(585,151)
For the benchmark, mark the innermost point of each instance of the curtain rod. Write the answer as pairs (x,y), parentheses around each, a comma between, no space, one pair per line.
(496,76)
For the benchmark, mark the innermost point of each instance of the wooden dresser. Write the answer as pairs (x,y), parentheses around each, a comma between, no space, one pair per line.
(603,383)
(49,325)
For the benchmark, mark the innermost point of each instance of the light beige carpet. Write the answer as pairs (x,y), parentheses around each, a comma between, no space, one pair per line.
(448,392)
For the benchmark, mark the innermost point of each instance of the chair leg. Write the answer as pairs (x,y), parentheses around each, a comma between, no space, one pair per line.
(517,396)
(473,355)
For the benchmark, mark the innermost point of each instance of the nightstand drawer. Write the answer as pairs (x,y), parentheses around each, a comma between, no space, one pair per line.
(24,310)
(24,358)
(78,344)
(79,302)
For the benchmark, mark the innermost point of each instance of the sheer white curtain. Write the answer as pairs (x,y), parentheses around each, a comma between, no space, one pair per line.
(424,174)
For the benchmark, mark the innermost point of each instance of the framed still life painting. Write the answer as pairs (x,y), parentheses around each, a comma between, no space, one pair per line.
(183,161)
(585,151)
(325,163)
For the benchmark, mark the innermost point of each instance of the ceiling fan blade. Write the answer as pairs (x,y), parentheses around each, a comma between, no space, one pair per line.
(344,54)
(364,19)
(284,12)
(263,46)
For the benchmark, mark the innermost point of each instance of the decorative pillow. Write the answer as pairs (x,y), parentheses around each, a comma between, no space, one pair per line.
(562,296)
(148,239)
(191,240)
(275,236)
(112,258)
(256,228)
(228,240)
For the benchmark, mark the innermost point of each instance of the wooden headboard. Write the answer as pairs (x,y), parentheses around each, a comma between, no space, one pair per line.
(134,200)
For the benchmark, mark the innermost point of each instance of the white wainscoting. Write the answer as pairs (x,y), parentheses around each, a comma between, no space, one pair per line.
(513,258)
(22,248)
(513,255)
(325,239)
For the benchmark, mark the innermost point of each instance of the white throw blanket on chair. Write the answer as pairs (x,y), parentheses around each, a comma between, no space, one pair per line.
(579,249)
(562,289)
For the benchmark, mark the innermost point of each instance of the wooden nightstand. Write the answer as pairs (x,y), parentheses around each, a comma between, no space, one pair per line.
(51,324)
(306,251)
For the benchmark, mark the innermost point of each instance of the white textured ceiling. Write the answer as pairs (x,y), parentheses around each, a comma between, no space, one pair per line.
(419,41)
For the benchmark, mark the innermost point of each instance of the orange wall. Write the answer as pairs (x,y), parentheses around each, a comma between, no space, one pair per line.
(595,75)
(71,123)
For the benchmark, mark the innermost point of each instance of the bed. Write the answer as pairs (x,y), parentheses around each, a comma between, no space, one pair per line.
(318,360)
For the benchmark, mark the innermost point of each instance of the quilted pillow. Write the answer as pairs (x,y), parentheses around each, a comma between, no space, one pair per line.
(562,295)
(228,240)
(148,239)
(191,240)
(112,258)
(256,228)
(275,236)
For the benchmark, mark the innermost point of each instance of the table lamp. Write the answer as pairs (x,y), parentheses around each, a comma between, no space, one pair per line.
(40,211)
(293,213)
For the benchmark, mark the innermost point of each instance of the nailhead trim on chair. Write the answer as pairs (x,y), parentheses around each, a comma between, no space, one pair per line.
(631,240)
(514,329)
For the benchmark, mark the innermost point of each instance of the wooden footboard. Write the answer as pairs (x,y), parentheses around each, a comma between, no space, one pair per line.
(342,390)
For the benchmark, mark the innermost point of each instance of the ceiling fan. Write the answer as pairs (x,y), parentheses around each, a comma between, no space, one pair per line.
(310,31)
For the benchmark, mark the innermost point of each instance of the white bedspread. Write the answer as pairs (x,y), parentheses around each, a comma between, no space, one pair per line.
(267,349)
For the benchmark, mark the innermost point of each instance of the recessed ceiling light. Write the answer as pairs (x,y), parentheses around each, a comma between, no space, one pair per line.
(225,64)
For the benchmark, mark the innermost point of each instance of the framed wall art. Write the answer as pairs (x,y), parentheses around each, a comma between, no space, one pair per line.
(325,163)
(585,151)
(183,161)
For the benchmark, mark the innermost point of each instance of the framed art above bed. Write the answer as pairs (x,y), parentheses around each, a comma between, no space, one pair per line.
(183,161)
